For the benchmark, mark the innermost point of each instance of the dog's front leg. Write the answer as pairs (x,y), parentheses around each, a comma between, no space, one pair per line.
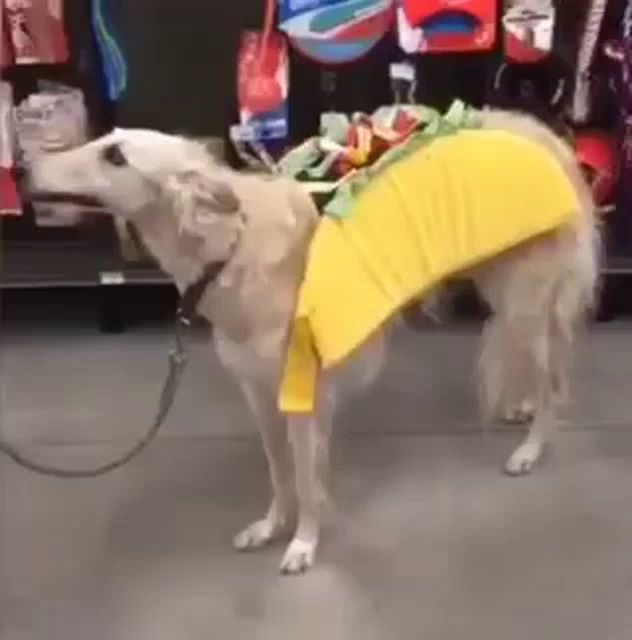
(281,513)
(303,433)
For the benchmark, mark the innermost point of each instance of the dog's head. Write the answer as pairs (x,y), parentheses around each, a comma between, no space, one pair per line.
(129,170)
(168,182)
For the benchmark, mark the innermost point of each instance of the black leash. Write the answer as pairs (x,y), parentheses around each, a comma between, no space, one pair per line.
(177,363)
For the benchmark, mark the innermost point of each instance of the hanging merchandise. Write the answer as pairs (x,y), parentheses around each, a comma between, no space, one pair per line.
(9,199)
(51,120)
(621,53)
(580,107)
(34,32)
(112,59)
(335,31)
(528,30)
(596,152)
(6,53)
(262,88)
(403,77)
(445,26)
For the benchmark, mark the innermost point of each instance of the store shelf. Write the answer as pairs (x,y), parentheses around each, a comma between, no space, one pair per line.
(618,265)
(84,256)
(73,264)
(70,264)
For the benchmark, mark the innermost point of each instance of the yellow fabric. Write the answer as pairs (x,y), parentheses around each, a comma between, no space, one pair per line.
(447,206)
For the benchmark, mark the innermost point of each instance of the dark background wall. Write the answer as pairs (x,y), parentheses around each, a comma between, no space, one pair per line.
(182,61)
(182,58)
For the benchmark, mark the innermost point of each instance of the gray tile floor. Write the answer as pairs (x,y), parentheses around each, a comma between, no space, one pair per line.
(428,540)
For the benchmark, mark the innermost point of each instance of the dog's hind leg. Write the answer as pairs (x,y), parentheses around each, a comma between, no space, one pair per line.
(538,294)
(550,389)
(281,514)
(515,367)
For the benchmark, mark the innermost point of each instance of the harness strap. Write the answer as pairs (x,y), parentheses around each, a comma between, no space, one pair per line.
(193,293)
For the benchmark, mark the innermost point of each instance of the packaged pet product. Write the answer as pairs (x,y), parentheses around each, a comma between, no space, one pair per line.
(597,155)
(34,31)
(6,54)
(113,61)
(335,31)
(403,77)
(443,26)
(51,120)
(528,30)
(262,86)
(620,52)
(581,103)
(9,198)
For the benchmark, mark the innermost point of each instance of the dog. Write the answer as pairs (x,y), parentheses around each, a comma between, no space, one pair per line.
(191,211)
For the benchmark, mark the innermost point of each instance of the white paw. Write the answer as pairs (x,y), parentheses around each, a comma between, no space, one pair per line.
(523,458)
(257,535)
(299,557)
(521,414)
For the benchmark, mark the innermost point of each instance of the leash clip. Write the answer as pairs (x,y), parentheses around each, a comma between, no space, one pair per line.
(183,318)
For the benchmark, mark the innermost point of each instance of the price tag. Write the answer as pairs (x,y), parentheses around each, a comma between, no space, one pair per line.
(112,278)
(243,133)
(403,71)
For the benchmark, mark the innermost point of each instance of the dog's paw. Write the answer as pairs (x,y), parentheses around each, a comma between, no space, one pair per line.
(521,414)
(257,535)
(299,557)
(523,458)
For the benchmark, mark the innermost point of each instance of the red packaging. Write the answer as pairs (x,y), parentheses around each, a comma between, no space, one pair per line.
(528,30)
(262,84)
(452,25)
(33,32)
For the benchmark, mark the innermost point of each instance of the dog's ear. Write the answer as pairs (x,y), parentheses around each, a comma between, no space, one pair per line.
(207,208)
(203,195)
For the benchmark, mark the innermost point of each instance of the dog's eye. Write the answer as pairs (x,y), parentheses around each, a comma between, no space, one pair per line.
(113,155)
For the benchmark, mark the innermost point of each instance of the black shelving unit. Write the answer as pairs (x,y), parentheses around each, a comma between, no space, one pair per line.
(83,257)
(617,266)
(70,264)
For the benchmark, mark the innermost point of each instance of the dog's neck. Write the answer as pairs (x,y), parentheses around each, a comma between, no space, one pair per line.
(159,231)
(265,257)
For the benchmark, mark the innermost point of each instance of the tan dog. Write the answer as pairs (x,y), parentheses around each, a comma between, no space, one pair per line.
(191,211)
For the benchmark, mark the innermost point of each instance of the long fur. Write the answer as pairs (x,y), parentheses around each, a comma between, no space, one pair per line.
(189,211)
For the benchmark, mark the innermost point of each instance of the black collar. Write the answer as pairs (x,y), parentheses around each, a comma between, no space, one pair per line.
(194,292)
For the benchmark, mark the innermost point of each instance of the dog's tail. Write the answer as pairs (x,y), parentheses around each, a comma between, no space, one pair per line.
(587,240)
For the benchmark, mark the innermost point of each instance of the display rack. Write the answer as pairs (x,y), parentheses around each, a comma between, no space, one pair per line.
(83,257)
(617,266)
(70,264)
